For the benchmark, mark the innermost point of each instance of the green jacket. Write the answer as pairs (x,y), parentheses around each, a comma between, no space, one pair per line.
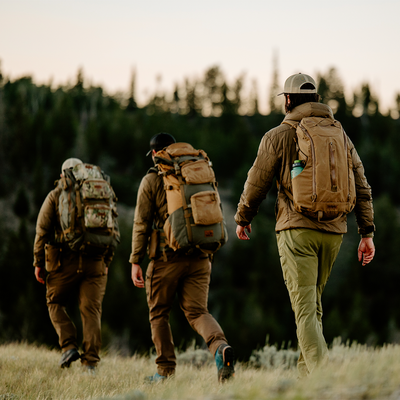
(275,156)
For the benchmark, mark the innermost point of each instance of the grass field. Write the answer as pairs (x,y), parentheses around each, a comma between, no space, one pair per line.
(354,372)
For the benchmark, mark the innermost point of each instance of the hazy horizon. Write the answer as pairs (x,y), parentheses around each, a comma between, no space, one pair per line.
(50,41)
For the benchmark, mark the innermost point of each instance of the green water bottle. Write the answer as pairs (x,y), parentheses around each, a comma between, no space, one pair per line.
(297,167)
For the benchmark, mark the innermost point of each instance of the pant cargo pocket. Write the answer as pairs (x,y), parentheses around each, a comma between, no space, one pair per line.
(52,257)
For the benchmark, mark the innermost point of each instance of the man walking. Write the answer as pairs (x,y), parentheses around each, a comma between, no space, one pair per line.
(170,273)
(308,243)
(71,274)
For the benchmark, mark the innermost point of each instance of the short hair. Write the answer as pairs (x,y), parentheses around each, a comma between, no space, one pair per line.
(297,99)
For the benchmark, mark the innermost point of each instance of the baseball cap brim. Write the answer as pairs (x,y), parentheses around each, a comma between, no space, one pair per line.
(300,91)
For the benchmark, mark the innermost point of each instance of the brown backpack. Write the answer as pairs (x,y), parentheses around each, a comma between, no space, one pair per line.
(194,218)
(325,189)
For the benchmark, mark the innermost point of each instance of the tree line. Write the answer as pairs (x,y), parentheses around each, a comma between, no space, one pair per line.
(41,126)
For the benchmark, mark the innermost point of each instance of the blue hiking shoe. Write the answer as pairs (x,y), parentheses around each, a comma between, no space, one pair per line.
(155,378)
(225,360)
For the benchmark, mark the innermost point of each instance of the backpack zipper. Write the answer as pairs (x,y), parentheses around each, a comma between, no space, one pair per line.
(333,167)
(348,171)
(314,186)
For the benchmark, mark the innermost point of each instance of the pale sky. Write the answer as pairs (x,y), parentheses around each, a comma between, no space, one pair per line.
(178,39)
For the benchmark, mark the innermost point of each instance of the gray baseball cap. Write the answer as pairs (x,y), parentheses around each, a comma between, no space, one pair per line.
(70,163)
(299,83)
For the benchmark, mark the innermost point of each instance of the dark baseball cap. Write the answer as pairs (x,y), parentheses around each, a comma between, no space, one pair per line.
(159,141)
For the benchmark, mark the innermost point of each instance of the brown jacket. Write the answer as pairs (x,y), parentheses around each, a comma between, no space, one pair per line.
(275,156)
(48,229)
(150,213)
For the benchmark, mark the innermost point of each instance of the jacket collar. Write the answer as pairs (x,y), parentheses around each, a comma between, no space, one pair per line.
(308,110)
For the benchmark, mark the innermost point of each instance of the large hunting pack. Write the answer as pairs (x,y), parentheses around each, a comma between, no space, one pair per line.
(194,218)
(87,209)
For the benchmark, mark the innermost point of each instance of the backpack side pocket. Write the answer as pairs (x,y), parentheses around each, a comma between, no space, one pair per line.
(206,208)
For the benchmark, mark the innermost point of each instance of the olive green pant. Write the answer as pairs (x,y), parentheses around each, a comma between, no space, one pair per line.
(188,277)
(307,257)
(88,284)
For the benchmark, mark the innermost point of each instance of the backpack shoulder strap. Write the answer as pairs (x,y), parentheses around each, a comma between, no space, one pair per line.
(152,170)
(67,179)
(292,124)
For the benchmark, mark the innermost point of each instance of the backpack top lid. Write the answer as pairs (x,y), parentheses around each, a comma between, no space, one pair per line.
(86,171)
(80,173)
(180,149)
(179,152)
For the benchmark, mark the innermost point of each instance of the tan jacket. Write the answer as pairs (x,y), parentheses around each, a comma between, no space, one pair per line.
(150,213)
(48,229)
(275,156)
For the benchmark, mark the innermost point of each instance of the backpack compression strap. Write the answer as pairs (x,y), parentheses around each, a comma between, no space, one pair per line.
(186,211)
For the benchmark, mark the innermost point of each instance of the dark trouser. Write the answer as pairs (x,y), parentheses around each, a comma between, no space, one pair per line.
(89,285)
(189,278)
(307,257)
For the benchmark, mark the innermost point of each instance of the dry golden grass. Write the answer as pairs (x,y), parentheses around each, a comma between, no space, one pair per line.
(354,372)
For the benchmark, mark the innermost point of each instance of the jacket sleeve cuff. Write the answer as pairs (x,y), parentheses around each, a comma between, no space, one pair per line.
(367,231)
(368,235)
(240,221)
(134,259)
(39,263)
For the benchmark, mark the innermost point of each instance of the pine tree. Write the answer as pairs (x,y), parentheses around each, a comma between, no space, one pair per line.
(132,106)
(275,103)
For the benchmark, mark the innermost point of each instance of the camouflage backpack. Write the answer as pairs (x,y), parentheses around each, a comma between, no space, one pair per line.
(325,188)
(194,218)
(87,209)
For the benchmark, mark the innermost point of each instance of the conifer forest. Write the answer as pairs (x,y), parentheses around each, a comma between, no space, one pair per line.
(42,125)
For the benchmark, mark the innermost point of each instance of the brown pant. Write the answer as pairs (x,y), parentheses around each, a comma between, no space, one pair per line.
(89,284)
(189,278)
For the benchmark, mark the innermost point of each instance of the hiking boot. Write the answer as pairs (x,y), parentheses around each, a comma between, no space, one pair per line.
(155,378)
(225,359)
(90,369)
(68,357)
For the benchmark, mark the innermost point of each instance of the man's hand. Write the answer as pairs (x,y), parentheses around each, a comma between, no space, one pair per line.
(366,250)
(39,274)
(241,232)
(137,276)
